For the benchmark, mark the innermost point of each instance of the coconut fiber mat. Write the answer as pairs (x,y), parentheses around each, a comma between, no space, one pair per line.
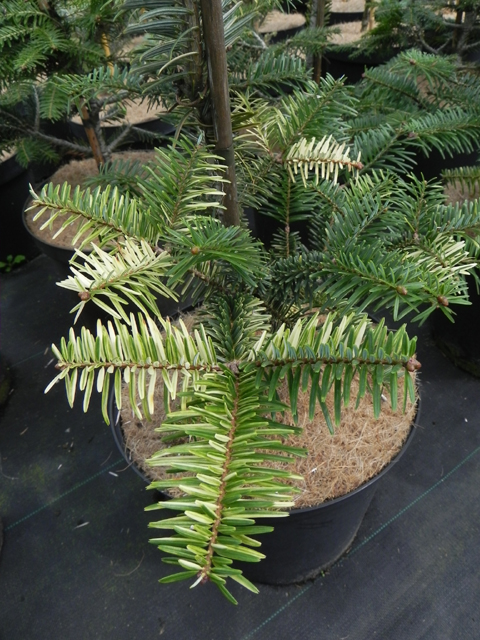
(76,564)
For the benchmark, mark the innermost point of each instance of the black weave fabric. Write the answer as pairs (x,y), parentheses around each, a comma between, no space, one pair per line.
(76,565)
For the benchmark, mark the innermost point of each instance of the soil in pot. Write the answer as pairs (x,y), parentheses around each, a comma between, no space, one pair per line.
(292,20)
(336,464)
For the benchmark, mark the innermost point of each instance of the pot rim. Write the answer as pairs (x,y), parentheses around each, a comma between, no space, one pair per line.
(66,253)
(115,426)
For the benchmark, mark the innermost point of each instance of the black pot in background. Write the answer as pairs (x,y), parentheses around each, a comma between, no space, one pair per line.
(10,169)
(134,140)
(433,166)
(345,63)
(473,57)
(14,189)
(296,6)
(264,227)
(61,256)
(460,340)
(157,126)
(285,34)
(42,170)
(337,17)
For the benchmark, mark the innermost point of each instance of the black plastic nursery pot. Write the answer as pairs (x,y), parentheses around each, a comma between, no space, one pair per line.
(299,6)
(117,433)
(60,130)
(285,34)
(61,255)
(135,139)
(10,169)
(334,17)
(338,17)
(460,340)
(431,167)
(307,541)
(15,183)
(264,227)
(346,63)
(157,126)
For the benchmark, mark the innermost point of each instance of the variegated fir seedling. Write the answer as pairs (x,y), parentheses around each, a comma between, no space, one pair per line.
(294,311)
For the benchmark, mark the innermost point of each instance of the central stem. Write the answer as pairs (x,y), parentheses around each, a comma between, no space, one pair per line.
(206,569)
(91,134)
(214,38)
(319,22)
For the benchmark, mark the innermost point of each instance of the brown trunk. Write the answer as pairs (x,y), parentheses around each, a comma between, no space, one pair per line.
(456,31)
(91,135)
(371,18)
(317,59)
(365,16)
(106,49)
(195,65)
(368,16)
(214,39)
(468,24)
(458,20)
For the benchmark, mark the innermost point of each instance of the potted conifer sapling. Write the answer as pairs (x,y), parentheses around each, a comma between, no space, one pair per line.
(276,328)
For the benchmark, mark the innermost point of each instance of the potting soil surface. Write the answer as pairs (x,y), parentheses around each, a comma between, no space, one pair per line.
(76,563)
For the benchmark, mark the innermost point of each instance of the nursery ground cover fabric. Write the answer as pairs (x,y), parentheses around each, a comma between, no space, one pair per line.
(76,563)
